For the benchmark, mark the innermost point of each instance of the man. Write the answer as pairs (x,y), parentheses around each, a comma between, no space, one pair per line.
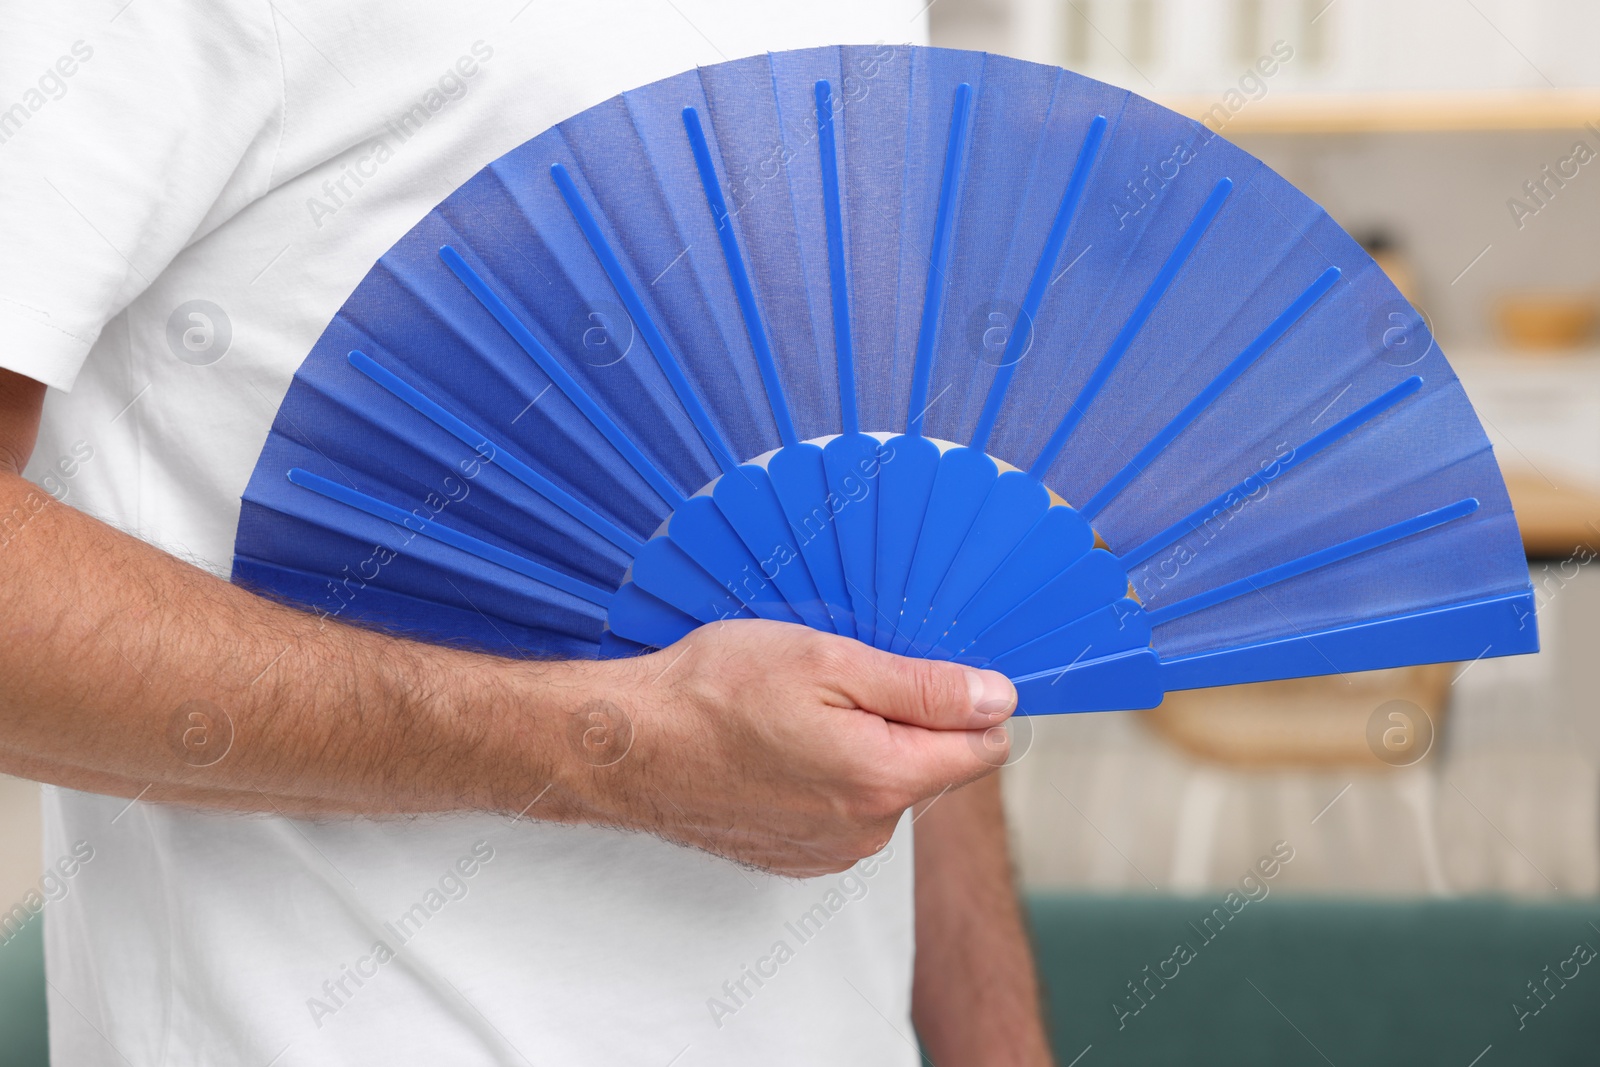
(181,221)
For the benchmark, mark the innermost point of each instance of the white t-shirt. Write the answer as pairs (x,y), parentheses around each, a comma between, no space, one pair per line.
(156,153)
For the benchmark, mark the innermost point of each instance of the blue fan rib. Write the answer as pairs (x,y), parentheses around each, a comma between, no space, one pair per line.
(497,452)
(448,536)
(939,257)
(1042,274)
(742,289)
(642,318)
(1314,560)
(838,280)
(558,374)
(1130,329)
(1496,625)
(1251,484)
(1206,396)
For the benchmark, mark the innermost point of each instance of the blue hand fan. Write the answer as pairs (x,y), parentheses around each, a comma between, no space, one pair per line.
(960,356)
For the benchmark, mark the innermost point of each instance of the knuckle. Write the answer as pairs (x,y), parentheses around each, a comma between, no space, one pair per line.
(864,807)
(856,809)
(940,688)
(873,795)
(885,805)
(825,657)
(841,809)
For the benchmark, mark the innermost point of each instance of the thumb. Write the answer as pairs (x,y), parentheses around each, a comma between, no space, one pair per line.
(929,693)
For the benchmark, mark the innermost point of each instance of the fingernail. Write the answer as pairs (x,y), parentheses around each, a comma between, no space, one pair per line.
(993,695)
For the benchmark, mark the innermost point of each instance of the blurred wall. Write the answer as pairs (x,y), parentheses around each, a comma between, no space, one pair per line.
(20,860)
(1181,46)
(1509,801)
(1443,196)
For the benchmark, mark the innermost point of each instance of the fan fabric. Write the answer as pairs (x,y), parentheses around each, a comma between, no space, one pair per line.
(568,413)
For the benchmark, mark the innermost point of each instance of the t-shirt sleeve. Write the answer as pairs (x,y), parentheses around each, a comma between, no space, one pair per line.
(127,132)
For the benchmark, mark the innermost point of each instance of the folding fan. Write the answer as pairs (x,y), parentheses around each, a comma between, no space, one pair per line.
(956,355)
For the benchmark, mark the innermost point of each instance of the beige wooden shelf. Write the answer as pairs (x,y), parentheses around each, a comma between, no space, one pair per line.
(1556,521)
(1375,112)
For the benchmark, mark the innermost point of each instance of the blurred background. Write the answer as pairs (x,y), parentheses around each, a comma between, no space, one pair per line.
(1443,821)
(1442,825)
(1420,125)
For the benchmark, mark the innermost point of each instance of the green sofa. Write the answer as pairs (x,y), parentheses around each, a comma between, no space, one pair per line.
(1290,981)
(22,1033)
(1283,982)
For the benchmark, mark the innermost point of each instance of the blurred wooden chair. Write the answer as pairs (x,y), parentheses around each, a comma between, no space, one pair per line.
(1362,722)
(1308,722)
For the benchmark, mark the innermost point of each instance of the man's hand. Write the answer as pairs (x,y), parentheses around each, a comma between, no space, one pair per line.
(785,748)
(771,744)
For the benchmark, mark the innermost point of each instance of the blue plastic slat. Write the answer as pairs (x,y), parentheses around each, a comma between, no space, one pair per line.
(702,531)
(1091,583)
(904,483)
(801,482)
(1124,339)
(1010,511)
(961,484)
(666,572)
(642,320)
(742,289)
(1214,389)
(1251,484)
(1057,541)
(1120,682)
(1022,333)
(838,280)
(448,536)
(750,504)
(493,450)
(1117,627)
(939,256)
(1313,560)
(558,374)
(1485,628)
(851,462)
(642,619)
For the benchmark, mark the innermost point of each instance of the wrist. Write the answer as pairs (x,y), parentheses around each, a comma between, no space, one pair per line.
(557,737)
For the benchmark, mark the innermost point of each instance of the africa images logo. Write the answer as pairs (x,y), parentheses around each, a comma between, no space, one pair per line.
(199,332)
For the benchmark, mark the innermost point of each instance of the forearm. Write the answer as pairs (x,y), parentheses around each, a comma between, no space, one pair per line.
(107,640)
(975,997)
